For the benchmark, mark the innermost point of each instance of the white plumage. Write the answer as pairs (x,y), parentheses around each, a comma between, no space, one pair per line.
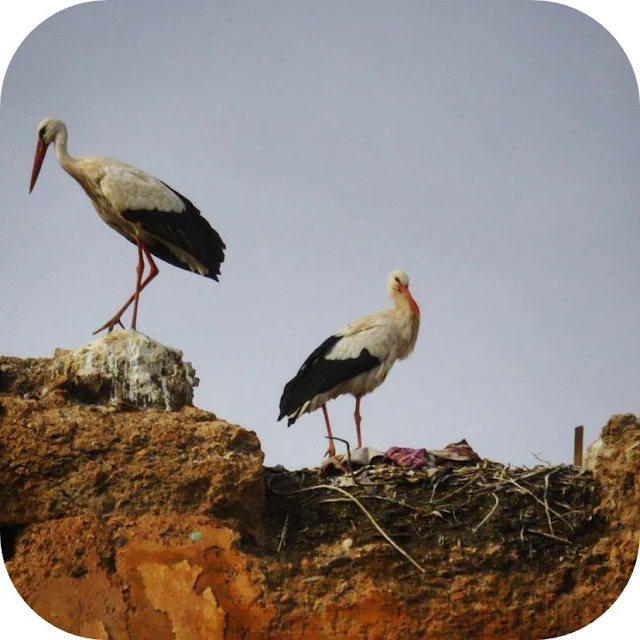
(126,187)
(356,359)
(146,211)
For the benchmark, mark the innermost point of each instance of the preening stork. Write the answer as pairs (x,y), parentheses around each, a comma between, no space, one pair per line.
(356,359)
(146,211)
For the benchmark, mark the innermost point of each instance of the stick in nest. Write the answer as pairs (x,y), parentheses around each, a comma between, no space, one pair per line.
(539,459)
(548,535)
(495,506)
(546,504)
(435,486)
(284,531)
(371,518)
(349,466)
(459,489)
(535,497)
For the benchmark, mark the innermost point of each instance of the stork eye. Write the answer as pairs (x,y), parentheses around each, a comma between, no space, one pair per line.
(397,279)
(41,133)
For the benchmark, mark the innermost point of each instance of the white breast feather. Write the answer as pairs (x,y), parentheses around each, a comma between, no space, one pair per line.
(128,188)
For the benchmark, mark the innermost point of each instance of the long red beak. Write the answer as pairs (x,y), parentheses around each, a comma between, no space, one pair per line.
(41,152)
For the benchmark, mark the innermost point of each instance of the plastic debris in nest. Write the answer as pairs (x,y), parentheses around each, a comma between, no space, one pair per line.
(405,457)
(124,368)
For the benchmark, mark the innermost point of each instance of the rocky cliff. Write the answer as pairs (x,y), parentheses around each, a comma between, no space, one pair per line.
(125,512)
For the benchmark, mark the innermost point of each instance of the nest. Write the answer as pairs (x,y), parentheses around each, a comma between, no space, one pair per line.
(536,515)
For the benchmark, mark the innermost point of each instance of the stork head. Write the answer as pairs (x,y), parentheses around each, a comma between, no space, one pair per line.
(48,131)
(398,285)
(398,282)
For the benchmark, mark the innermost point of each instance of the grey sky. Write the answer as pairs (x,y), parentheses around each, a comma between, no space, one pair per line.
(490,149)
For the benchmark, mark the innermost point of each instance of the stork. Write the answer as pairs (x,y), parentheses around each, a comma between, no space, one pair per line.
(145,210)
(355,360)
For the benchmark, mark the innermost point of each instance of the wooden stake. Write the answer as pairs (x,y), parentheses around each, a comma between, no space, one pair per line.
(578,444)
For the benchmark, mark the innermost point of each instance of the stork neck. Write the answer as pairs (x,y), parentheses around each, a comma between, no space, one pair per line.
(60,144)
(407,320)
(406,304)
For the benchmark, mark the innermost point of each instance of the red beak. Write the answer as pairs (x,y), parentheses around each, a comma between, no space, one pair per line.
(41,151)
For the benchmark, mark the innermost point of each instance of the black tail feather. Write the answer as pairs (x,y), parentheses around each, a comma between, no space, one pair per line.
(187,230)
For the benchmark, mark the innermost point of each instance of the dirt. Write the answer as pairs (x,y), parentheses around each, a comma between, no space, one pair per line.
(62,459)
(137,524)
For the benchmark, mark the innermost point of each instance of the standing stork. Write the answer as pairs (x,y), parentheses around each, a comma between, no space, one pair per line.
(356,359)
(146,211)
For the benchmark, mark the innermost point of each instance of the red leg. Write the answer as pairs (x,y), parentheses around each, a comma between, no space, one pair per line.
(136,295)
(331,451)
(110,324)
(358,418)
(154,269)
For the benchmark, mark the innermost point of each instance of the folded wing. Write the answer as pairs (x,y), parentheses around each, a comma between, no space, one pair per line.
(171,225)
(355,350)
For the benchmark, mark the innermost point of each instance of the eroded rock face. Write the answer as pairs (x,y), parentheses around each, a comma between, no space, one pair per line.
(615,457)
(147,524)
(150,577)
(23,376)
(62,459)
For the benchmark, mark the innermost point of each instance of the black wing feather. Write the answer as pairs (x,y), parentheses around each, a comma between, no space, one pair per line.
(319,375)
(187,230)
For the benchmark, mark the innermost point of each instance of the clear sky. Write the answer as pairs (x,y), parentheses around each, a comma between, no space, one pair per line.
(490,149)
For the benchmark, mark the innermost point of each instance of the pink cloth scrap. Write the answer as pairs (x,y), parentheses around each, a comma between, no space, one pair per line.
(409,458)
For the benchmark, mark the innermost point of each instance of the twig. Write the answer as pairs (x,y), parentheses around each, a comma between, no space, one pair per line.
(349,465)
(548,535)
(435,486)
(406,505)
(546,504)
(284,531)
(458,490)
(535,472)
(495,506)
(539,459)
(535,497)
(371,518)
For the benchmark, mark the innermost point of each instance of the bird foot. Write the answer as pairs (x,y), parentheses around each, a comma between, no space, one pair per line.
(330,452)
(109,325)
